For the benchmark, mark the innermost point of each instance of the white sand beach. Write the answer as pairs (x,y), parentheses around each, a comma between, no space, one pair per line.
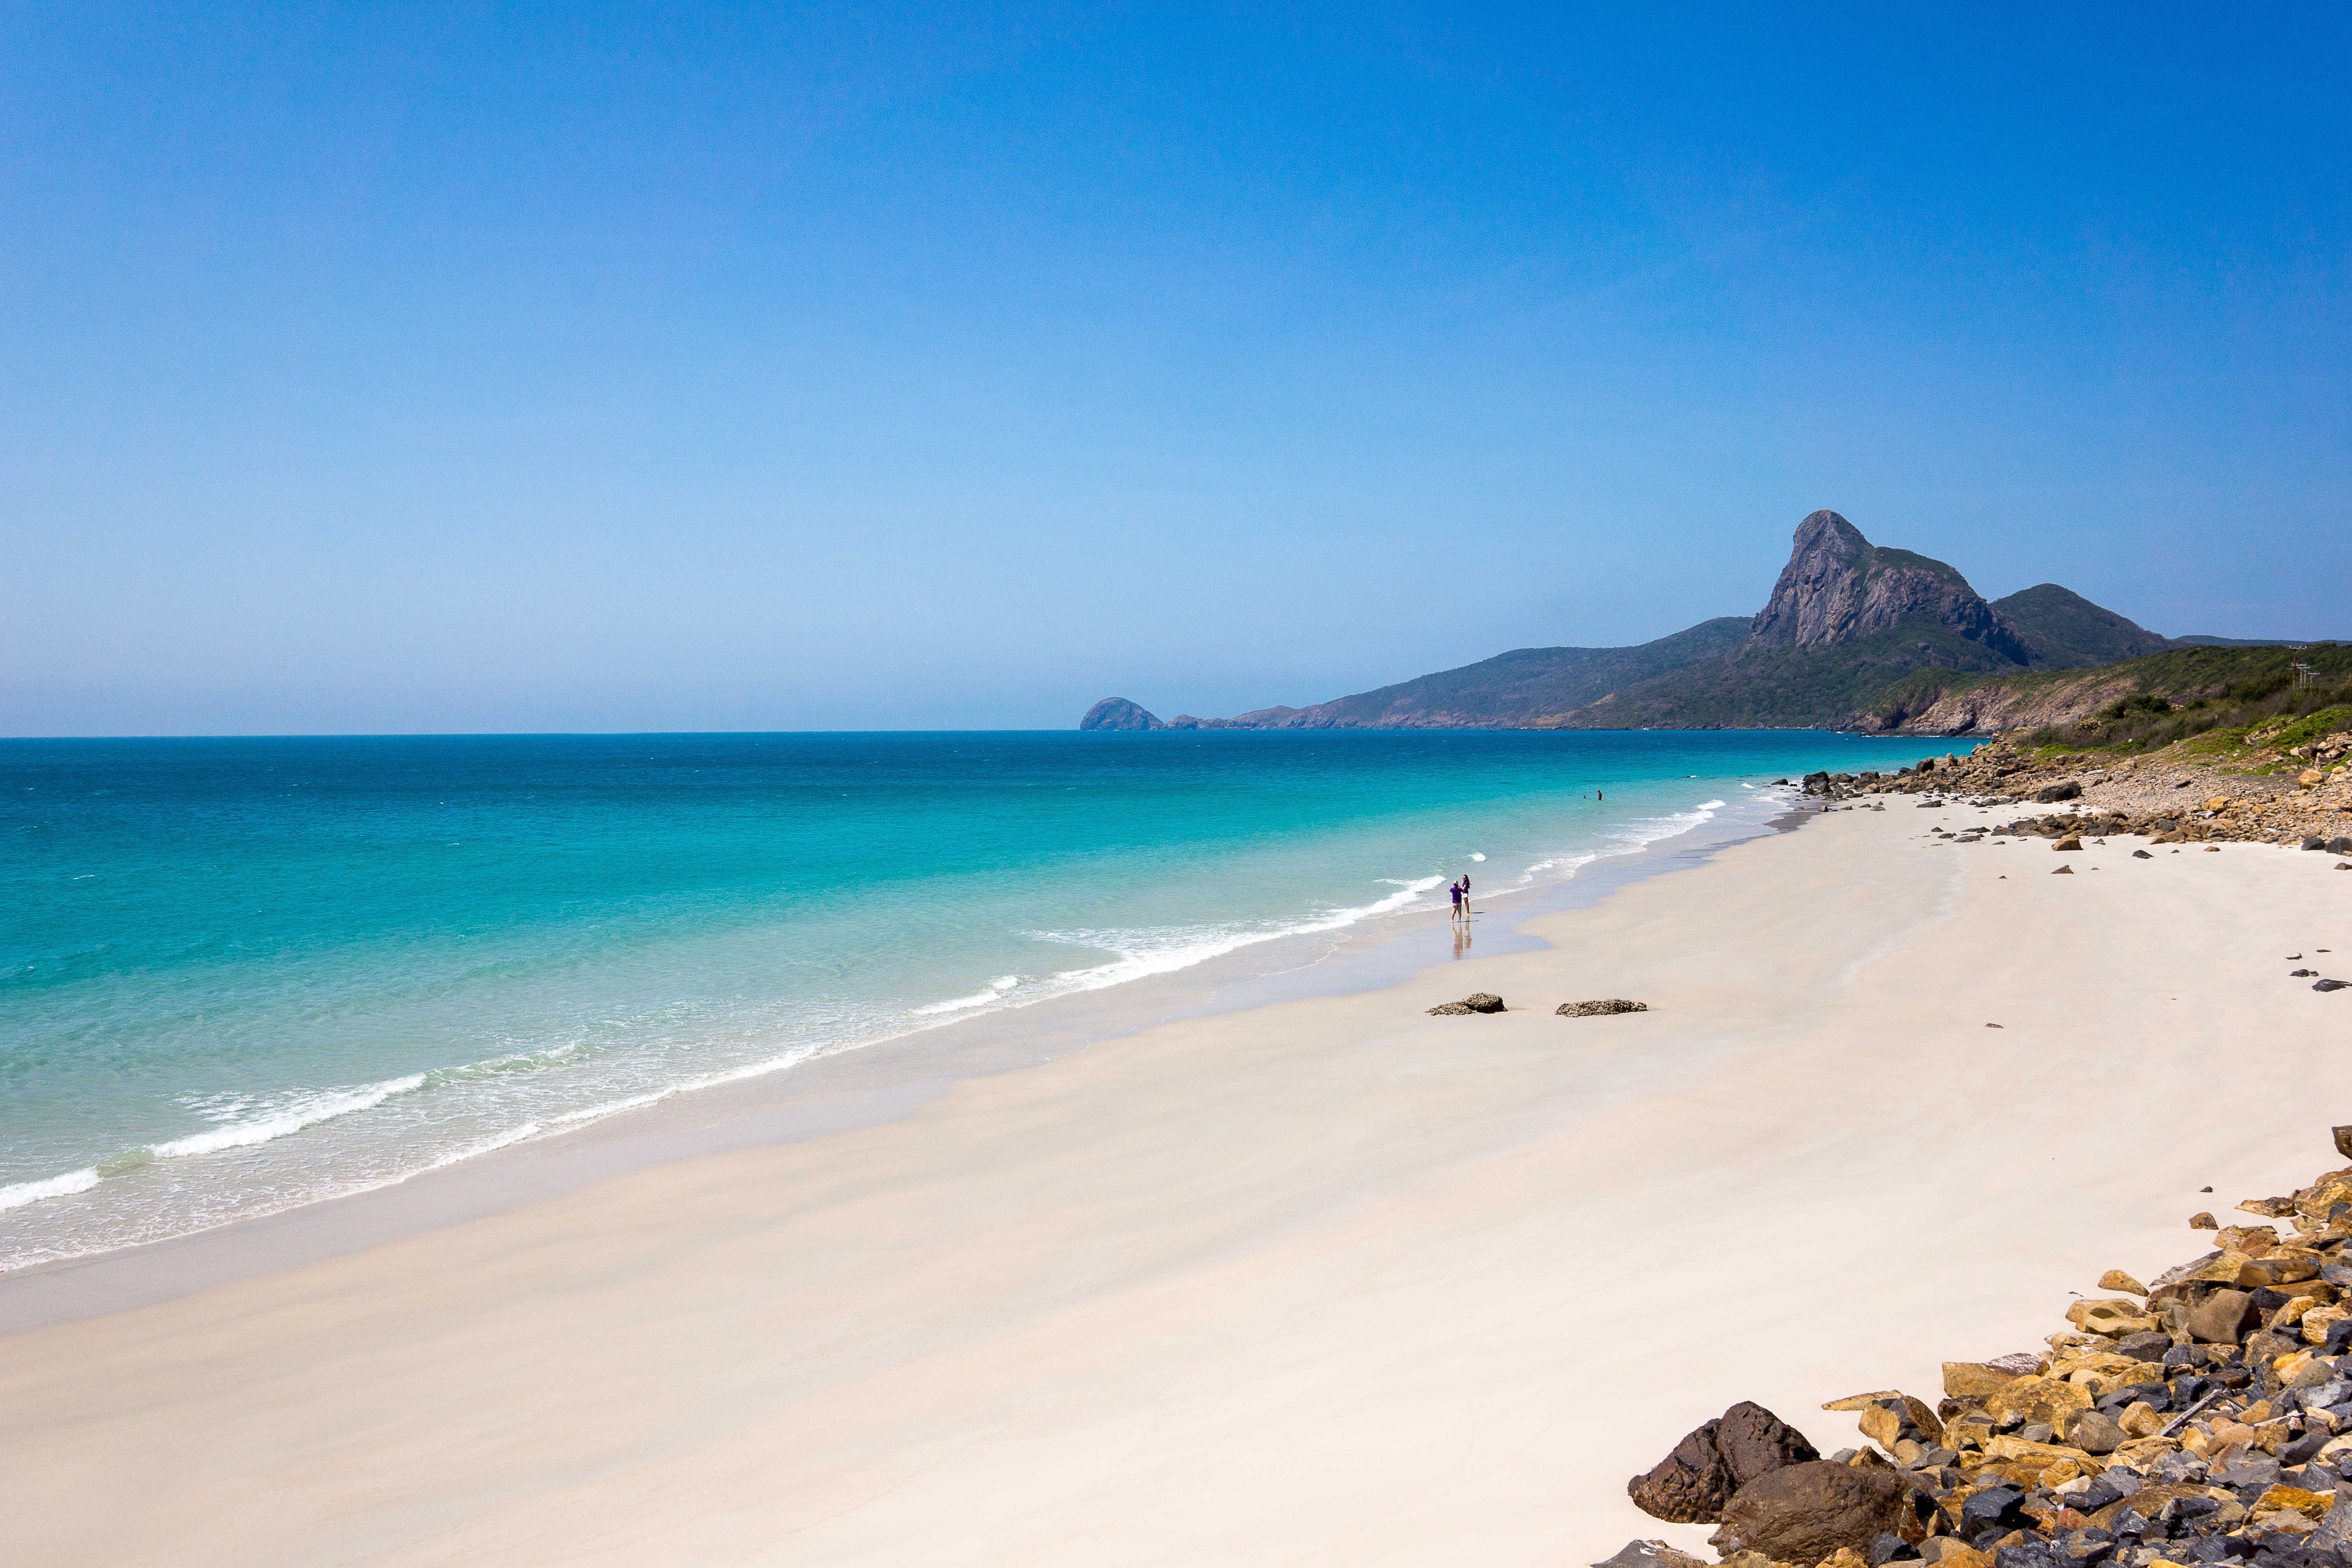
(1330,1281)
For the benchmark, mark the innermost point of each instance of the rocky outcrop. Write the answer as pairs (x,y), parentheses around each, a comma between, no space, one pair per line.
(1804,1514)
(1838,587)
(2204,1418)
(1599,1007)
(1118,713)
(1476,1001)
(1693,1484)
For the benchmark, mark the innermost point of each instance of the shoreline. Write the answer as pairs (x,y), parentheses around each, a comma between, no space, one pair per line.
(854,1087)
(1325,1280)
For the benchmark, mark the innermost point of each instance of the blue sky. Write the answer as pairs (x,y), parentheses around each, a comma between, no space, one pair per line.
(472,367)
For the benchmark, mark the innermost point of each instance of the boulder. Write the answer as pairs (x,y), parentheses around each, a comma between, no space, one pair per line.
(1804,1513)
(2071,841)
(2037,1401)
(1600,1007)
(2095,1432)
(2222,1317)
(1476,1001)
(1981,1378)
(2203,1221)
(2116,1280)
(2329,984)
(1692,1484)
(2069,790)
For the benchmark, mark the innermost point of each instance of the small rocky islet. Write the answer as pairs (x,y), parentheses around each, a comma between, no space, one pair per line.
(2204,1418)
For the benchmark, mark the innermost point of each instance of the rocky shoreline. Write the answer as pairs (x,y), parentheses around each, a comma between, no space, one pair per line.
(2204,1418)
(2168,796)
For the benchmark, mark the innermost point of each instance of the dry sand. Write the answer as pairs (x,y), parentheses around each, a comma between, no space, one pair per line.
(1327,1283)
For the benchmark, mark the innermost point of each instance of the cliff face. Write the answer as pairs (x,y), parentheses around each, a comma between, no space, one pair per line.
(1838,587)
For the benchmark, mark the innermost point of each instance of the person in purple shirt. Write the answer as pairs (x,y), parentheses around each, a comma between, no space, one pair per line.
(1456,890)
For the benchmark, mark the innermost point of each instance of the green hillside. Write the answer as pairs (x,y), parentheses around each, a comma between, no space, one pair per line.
(2066,631)
(1782,687)
(2149,702)
(1521,686)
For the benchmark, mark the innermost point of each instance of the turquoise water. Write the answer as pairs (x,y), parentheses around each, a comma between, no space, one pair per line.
(237,975)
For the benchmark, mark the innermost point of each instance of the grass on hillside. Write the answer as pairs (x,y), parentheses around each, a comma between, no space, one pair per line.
(2183,694)
(2215,729)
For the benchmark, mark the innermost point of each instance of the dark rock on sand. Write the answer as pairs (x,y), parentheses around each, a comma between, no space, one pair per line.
(1804,1513)
(1693,1484)
(2142,855)
(2329,984)
(2069,790)
(1597,1008)
(1476,1001)
(2065,870)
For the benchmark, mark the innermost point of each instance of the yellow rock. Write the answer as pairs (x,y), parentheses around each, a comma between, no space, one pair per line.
(2204,1222)
(2317,1321)
(2310,776)
(2292,1312)
(2010,1449)
(1862,1401)
(1963,1557)
(1974,1380)
(2252,1240)
(2109,1317)
(2224,1432)
(2116,1280)
(2038,1399)
(2140,1419)
(2315,1370)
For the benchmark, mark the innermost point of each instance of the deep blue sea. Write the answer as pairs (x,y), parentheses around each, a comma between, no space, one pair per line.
(237,975)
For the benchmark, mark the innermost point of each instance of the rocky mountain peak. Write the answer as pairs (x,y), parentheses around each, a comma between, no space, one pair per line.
(1839,587)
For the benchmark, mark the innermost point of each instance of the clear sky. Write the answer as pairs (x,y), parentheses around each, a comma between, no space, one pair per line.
(483,367)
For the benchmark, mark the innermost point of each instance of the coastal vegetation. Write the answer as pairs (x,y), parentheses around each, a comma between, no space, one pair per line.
(1856,635)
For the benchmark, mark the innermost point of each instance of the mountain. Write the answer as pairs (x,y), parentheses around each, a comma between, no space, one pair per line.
(2062,630)
(1511,690)
(1839,588)
(1848,622)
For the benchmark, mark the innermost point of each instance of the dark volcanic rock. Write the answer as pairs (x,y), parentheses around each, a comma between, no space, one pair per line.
(2069,790)
(1118,713)
(1606,1005)
(1691,1485)
(1802,1513)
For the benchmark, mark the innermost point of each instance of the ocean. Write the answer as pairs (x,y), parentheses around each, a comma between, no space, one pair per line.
(239,975)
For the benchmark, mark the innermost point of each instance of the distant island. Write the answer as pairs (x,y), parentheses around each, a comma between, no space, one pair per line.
(1856,635)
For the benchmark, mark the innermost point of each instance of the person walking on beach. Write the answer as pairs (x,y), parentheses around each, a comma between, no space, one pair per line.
(1456,890)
